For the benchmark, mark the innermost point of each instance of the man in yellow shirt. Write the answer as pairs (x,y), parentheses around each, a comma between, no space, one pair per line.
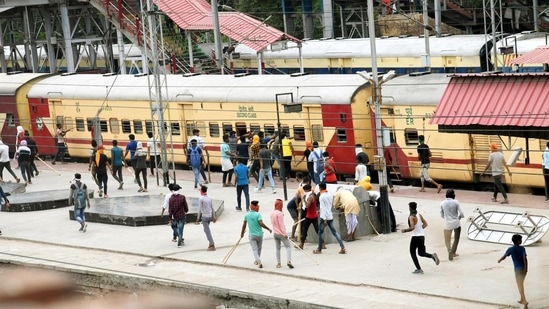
(346,201)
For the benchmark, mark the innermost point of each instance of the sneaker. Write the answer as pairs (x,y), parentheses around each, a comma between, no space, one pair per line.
(174,239)
(211,248)
(106,195)
(85,228)
(435,257)
(238,208)
(256,189)
(274,191)
(100,193)
(179,246)
(418,271)
(81,229)
(120,186)
(205,182)
(290,265)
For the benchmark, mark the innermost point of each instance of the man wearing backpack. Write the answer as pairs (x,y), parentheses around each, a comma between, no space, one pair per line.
(79,198)
(318,162)
(177,210)
(195,161)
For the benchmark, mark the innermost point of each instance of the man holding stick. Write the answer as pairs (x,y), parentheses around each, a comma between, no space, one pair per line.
(60,144)
(255,234)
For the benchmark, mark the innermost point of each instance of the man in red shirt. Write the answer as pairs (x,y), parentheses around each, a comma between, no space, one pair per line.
(311,214)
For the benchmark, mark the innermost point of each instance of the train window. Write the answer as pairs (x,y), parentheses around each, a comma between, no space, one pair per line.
(411,136)
(318,133)
(89,124)
(60,119)
(214,129)
(176,129)
(10,119)
(227,127)
(299,133)
(138,126)
(269,129)
(286,129)
(149,126)
(189,126)
(255,127)
(115,125)
(69,123)
(126,126)
(341,135)
(240,128)
(80,126)
(103,124)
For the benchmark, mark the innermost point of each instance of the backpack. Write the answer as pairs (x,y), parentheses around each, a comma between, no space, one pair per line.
(196,159)
(80,196)
(275,147)
(319,164)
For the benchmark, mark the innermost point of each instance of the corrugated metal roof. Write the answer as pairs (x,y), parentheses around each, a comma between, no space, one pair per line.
(538,55)
(197,15)
(503,100)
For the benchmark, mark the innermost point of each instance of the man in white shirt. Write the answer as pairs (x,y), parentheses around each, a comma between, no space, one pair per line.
(451,212)
(327,219)
(153,151)
(318,162)
(5,161)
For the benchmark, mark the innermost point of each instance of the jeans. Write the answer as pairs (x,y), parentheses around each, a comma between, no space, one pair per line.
(330,224)
(179,225)
(498,187)
(155,159)
(196,172)
(117,173)
(102,181)
(239,190)
(281,239)
(60,152)
(280,165)
(305,227)
(7,166)
(206,226)
(142,171)
(262,173)
(79,215)
(26,171)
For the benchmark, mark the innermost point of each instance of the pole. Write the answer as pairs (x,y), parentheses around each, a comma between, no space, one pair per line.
(217,36)
(426,36)
(384,198)
(281,167)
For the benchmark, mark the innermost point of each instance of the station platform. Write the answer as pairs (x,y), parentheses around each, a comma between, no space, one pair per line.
(376,272)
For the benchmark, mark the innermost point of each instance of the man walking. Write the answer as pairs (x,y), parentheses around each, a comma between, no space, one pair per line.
(131,147)
(206,215)
(327,219)
(200,142)
(31,143)
(451,212)
(23,156)
(5,161)
(265,168)
(497,162)
(242,184)
(153,151)
(255,234)
(79,198)
(280,234)
(417,223)
(177,211)
(117,163)
(424,154)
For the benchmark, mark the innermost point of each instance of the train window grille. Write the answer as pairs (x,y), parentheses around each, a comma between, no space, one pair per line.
(269,129)
(227,127)
(69,123)
(138,126)
(299,133)
(241,128)
(115,125)
(175,128)
(411,136)
(60,120)
(341,135)
(286,129)
(10,120)
(149,126)
(214,129)
(103,126)
(317,132)
(80,126)
(89,124)
(255,127)
(189,127)
(126,126)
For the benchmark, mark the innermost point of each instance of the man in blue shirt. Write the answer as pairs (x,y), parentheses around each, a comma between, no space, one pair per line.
(131,147)
(242,184)
(117,163)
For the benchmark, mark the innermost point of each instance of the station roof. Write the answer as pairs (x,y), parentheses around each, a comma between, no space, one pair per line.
(197,15)
(495,104)
(538,55)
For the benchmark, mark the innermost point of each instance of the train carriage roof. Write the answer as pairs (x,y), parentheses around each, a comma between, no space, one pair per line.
(335,89)
(11,82)
(411,90)
(458,45)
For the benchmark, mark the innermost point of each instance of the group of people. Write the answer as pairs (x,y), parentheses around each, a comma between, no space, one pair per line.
(25,154)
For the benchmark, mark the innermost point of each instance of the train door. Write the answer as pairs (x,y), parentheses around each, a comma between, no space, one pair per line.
(480,150)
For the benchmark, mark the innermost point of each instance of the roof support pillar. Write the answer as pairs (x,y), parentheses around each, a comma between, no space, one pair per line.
(67,36)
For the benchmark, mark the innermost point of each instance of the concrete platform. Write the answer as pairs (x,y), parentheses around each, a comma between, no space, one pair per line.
(140,210)
(11,188)
(42,200)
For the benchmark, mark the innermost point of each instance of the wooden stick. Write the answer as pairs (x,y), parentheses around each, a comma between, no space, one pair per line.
(46,164)
(226,258)
(293,243)
(298,222)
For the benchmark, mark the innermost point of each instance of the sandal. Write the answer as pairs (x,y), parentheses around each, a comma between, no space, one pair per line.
(342,251)
(278,265)
(316,251)
(260,265)
(290,264)
(494,199)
